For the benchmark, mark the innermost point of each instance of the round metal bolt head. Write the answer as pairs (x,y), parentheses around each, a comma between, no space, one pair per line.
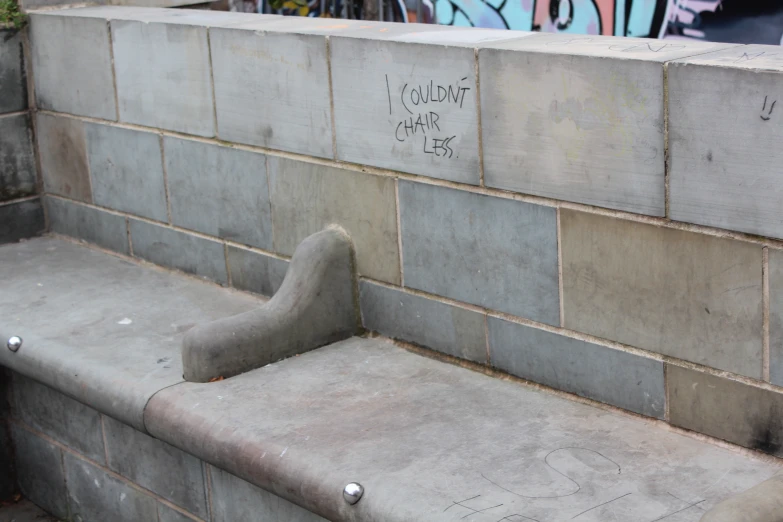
(14,343)
(352,493)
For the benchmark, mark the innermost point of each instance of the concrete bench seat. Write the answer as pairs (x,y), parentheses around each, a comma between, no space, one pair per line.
(100,329)
(432,441)
(426,440)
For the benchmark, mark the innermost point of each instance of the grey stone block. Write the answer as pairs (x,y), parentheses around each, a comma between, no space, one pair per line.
(234,499)
(776,316)
(75,78)
(255,106)
(307,197)
(426,322)
(163,76)
(127,170)
(406,106)
(255,272)
(167,514)
(590,125)
(157,466)
(88,224)
(316,306)
(622,379)
(487,251)
(95,495)
(219,191)
(40,471)
(7,472)
(724,136)
(726,409)
(13,78)
(174,249)
(62,418)
(683,294)
(21,220)
(17,166)
(62,146)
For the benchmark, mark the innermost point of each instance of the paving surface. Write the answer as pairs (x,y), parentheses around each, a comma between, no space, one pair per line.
(99,328)
(431,441)
(24,511)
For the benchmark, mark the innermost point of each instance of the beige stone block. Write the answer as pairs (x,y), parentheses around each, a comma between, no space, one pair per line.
(683,294)
(63,150)
(307,197)
(744,414)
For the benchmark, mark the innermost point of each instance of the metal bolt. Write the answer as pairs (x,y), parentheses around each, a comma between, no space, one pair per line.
(352,493)
(14,343)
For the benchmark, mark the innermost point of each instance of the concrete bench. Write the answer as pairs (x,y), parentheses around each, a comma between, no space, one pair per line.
(106,427)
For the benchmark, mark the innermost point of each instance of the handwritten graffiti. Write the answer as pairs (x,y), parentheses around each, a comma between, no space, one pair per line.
(421,120)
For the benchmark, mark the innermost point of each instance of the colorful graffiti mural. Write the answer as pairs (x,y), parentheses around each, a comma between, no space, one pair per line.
(741,21)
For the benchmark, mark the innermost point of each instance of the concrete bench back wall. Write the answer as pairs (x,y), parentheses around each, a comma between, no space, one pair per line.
(599,215)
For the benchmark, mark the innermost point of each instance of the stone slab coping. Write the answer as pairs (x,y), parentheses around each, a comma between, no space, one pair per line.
(431,441)
(101,329)
(198,17)
(427,440)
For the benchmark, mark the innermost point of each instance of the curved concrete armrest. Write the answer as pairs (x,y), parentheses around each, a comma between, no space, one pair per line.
(761,503)
(316,305)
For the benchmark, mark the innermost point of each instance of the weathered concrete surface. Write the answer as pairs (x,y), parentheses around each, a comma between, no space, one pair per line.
(40,471)
(316,305)
(163,76)
(622,379)
(126,170)
(745,414)
(255,272)
(21,220)
(75,78)
(156,466)
(724,136)
(487,251)
(60,417)
(94,495)
(688,295)
(174,249)
(88,224)
(13,78)
(307,197)
(254,106)
(431,441)
(426,322)
(762,503)
(590,125)
(219,191)
(62,147)
(121,344)
(17,165)
(235,500)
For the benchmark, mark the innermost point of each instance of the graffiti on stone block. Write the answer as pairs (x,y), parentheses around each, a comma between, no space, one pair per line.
(420,105)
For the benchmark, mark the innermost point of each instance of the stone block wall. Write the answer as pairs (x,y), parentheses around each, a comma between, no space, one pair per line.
(81,465)
(21,212)
(589,213)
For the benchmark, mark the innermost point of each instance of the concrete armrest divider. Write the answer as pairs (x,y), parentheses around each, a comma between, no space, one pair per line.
(761,503)
(315,306)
